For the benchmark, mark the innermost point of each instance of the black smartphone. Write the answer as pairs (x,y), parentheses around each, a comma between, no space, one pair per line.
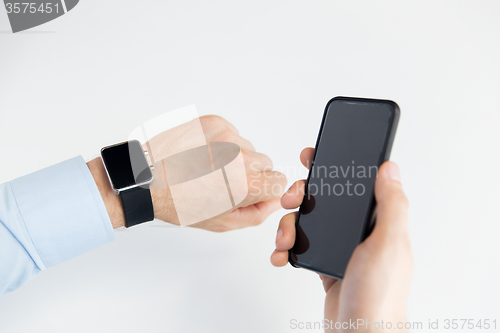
(338,209)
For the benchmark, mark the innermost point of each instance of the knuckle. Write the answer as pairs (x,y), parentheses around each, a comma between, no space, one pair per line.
(225,135)
(212,120)
(248,158)
(264,161)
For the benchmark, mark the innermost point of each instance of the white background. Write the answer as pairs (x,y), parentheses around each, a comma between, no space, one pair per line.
(88,78)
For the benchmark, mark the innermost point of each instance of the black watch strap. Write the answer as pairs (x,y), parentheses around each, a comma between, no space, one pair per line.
(137,205)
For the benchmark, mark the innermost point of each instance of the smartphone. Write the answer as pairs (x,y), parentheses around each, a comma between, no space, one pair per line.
(338,209)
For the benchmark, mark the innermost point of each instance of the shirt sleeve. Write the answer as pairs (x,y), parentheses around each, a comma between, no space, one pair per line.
(48,217)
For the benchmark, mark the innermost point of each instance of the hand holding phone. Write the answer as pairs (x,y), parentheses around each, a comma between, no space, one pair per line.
(338,209)
(376,282)
(333,235)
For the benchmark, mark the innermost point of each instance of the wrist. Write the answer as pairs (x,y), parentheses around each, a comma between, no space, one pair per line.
(111,200)
(163,205)
(162,201)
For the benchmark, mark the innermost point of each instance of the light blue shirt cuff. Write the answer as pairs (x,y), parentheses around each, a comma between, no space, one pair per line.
(63,213)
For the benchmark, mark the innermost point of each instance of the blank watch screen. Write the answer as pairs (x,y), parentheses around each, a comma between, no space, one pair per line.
(126,164)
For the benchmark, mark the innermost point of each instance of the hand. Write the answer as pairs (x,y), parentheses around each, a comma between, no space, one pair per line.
(377,279)
(264,185)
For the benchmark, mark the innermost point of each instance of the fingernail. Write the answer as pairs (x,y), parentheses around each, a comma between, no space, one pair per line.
(279,235)
(393,172)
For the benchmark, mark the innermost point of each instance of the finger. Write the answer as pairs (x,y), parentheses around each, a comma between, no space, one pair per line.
(254,214)
(218,129)
(279,258)
(265,185)
(328,282)
(229,136)
(214,121)
(240,218)
(294,196)
(306,157)
(231,127)
(285,237)
(244,144)
(257,162)
(234,136)
(392,204)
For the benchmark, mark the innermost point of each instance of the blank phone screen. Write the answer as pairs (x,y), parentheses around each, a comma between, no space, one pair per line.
(339,198)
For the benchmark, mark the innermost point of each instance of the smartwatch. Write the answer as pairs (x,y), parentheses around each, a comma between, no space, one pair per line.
(130,174)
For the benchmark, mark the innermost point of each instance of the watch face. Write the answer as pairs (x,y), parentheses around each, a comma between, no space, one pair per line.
(126,164)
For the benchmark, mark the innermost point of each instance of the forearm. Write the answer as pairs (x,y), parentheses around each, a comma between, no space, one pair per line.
(16,264)
(50,216)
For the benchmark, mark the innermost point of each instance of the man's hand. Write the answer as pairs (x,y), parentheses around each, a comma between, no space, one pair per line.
(377,279)
(265,186)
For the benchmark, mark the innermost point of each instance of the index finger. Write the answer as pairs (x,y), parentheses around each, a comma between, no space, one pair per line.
(306,156)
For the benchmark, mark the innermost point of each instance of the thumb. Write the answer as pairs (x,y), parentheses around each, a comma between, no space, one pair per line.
(392,204)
